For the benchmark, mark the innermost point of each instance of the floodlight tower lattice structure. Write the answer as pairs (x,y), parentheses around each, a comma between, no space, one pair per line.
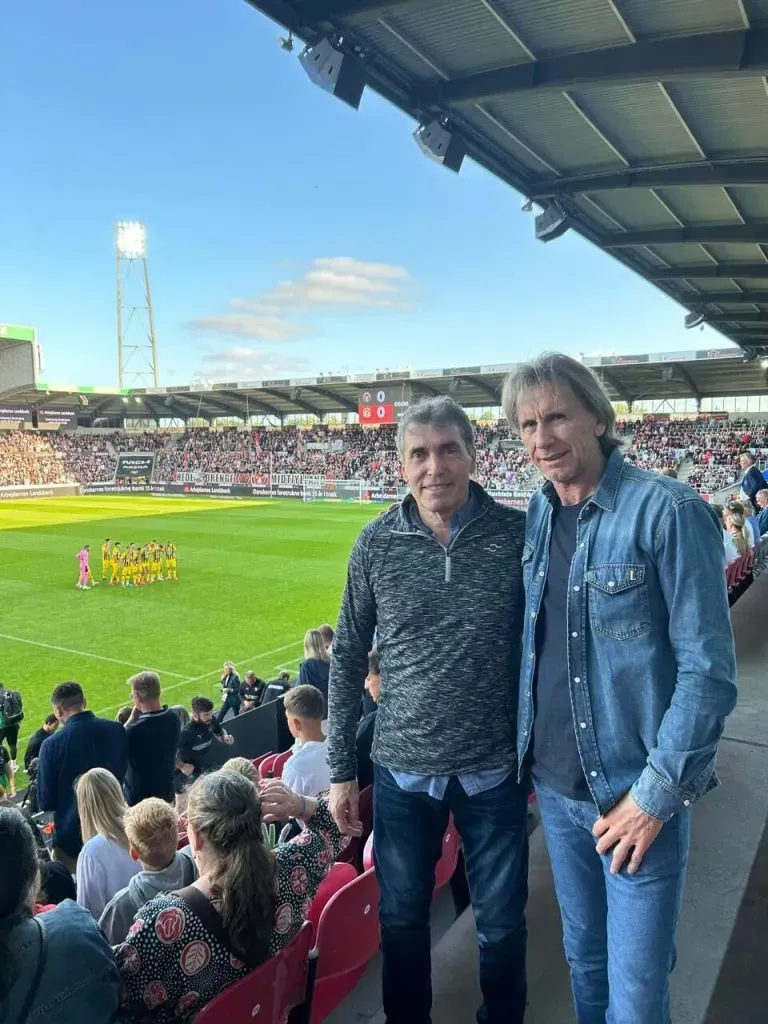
(136,341)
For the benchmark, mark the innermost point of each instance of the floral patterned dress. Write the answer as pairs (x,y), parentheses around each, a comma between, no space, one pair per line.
(171,965)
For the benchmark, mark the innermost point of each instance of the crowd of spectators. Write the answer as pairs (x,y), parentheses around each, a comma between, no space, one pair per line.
(164,910)
(28,458)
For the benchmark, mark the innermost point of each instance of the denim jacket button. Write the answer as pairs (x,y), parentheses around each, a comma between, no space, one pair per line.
(583,725)
(686,803)
(593,774)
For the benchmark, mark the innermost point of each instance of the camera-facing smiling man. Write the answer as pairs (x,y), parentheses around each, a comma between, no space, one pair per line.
(627,677)
(439,581)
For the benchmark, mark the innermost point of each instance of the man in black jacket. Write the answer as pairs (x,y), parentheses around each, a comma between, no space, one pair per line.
(440,581)
(197,736)
(48,728)
(230,691)
(367,724)
(152,732)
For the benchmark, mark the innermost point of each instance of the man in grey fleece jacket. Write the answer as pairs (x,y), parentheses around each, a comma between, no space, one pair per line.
(439,581)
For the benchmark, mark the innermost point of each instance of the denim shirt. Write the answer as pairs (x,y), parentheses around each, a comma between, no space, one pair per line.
(651,660)
(473,783)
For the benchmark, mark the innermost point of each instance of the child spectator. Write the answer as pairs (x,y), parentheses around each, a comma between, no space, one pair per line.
(152,830)
(105,864)
(367,724)
(315,670)
(243,767)
(306,772)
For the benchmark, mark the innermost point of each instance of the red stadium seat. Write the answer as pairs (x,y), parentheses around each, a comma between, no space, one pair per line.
(339,876)
(278,763)
(267,765)
(257,762)
(270,992)
(448,857)
(347,939)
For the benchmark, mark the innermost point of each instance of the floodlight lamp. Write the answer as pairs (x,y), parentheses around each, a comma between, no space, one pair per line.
(138,400)
(125,401)
(131,237)
(694,319)
(764,363)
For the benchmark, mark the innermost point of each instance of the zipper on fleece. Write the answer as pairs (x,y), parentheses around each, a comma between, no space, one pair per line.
(447,566)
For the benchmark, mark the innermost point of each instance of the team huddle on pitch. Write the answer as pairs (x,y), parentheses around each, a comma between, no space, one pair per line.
(134,565)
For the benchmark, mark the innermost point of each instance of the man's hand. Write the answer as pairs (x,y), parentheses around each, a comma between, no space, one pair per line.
(628,831)
(134,716)
(344,804)
(278,802)
(226,738)
(187,769)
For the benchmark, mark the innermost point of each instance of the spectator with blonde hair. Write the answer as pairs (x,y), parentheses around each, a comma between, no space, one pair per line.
(152,830)
(243,767)
(737,541)
(105,864)
(247,903)
(315,670)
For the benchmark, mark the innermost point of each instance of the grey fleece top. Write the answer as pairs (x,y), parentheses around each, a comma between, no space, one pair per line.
(448,623)
(145,886)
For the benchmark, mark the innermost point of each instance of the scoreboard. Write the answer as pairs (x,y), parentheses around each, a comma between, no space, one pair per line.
(383,404)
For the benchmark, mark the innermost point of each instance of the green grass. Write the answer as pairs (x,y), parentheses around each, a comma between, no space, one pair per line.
(254,576)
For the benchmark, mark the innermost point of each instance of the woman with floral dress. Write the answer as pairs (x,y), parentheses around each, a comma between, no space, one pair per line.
(178,955)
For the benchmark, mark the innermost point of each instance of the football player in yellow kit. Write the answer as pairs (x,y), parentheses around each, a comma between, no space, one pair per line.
(171,565)
(106,560)
(157,568)
(116,558)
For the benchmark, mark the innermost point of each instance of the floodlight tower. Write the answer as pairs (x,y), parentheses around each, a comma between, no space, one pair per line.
(136,342)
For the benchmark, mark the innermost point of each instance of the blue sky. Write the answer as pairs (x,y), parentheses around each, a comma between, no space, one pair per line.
(288,234)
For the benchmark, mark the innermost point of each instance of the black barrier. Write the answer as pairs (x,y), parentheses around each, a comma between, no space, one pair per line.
(255,732)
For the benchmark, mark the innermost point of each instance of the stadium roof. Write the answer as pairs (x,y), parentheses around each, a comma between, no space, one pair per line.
(699,374)
(641,124)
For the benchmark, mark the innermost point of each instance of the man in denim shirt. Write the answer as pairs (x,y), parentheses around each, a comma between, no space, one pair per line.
(627,677)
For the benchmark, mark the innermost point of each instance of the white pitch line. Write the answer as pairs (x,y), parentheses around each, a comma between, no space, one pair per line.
(88,654)
(185,681)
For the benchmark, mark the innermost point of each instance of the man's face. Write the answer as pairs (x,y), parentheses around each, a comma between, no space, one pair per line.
(206,717)
(561,435)
(437,468)
(744,461)
(762,500)
(373,685)
(51,726)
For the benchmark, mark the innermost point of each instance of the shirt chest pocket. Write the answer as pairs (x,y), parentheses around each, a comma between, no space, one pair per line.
(617,598)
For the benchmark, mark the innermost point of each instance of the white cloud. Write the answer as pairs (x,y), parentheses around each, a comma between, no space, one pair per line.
(244,363)
(333,284)
(251,326)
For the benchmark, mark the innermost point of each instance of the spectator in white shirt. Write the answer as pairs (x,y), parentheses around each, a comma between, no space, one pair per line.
(105,864)
(306,772)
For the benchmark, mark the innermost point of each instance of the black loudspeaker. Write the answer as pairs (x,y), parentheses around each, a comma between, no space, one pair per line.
(334,71)
(439,143)
(552,222)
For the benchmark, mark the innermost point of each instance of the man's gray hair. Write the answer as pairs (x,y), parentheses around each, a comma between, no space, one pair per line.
(553,369)
(440,411)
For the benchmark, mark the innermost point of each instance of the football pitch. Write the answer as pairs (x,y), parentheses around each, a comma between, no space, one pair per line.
(253,577)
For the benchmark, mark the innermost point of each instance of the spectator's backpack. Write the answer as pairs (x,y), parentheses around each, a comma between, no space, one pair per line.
(13,706)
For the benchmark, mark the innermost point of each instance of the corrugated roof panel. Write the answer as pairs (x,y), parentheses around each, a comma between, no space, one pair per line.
(550,27)
(751,283)
(504,140)
(715,285)
(729,116)
(757,11)
(732,252)
(675,253)
(639,121)
(706,204)
(654,18)
(550,124)
(381,41)
(594,215)
(634,208)
(460,38)
(752,200)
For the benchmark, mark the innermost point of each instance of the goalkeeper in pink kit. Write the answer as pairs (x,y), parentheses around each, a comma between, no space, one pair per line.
(85,569)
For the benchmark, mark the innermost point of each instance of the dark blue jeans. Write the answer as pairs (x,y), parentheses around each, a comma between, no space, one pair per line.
(409,828)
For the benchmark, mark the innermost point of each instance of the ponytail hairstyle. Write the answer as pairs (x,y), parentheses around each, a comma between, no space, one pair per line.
(224,808)
(736,528)
(101,807)
(20,882)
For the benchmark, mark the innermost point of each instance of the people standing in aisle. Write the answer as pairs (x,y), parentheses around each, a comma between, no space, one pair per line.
(230,691)
(440,573)
(628,674)
(152,732)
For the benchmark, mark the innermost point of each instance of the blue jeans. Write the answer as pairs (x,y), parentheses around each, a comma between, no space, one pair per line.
(618,930)
(409,829)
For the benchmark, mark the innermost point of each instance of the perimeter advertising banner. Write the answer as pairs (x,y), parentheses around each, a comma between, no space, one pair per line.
(57,416)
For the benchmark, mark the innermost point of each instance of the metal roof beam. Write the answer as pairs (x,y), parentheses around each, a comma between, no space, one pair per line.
(228,408)
(484,386)
(613,381)
(744,51)
(727,270)
(718,298)
(346,402)
(311,409)
(737,318)
(710,172)
(359,10)
(709,234)
(687,380)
